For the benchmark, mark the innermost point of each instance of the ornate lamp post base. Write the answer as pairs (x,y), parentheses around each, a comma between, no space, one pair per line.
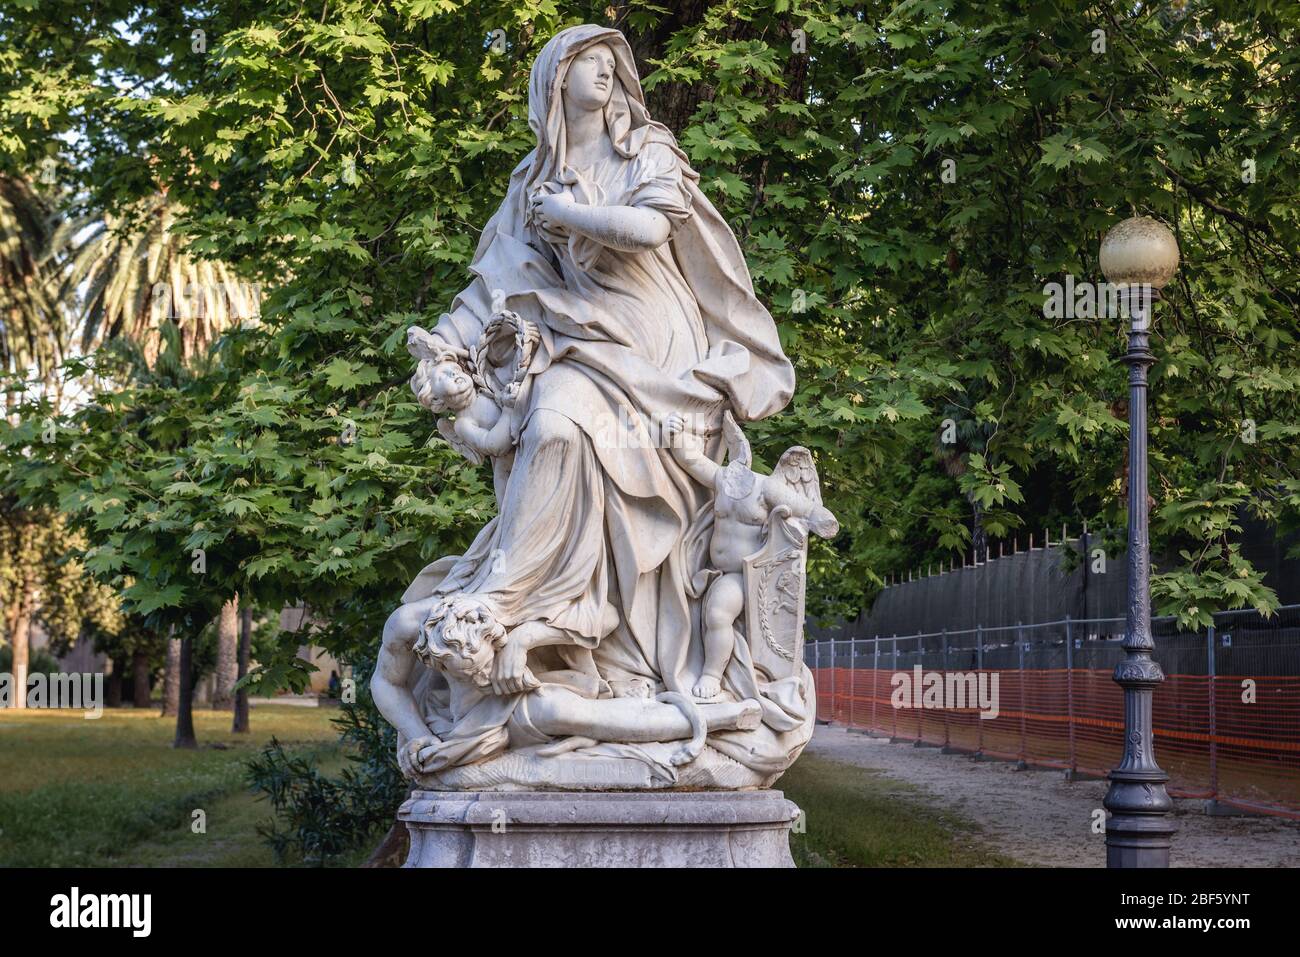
(1139,831)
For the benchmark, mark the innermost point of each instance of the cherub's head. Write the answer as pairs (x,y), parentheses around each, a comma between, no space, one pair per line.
(460,637)
(442,384)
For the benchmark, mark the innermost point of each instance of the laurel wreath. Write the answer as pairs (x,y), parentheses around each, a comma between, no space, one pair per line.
(526,336)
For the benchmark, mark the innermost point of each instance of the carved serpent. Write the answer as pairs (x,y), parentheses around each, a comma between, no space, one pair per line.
(699,730)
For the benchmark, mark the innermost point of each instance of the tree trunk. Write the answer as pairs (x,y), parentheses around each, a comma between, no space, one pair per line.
(140,672)
(113,687)
(171,678)
(675,102)
(670,103)
(240,725)
(20,637)
(223,694)
(392,850)
(203,692)
(978,537)
(185,712)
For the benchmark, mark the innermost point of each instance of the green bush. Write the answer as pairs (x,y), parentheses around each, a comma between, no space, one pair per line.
(318,818)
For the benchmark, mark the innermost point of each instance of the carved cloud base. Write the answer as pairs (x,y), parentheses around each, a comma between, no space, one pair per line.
(599,829)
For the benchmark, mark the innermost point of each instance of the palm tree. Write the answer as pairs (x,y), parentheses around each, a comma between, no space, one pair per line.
(91,280)
(128,275)
(32,331)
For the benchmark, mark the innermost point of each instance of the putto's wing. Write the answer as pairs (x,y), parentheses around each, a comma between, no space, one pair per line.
(798,471)
(448,432)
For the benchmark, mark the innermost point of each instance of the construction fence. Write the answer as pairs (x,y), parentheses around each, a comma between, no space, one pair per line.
(1227,717)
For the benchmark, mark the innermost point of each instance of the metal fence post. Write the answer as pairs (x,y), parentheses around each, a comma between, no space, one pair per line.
(817,671)
(875,683)
(1069,694)
(853,676)
(833,702)
(947,734)
(894,709)
(1214,718)
(1020,647)
(979,669)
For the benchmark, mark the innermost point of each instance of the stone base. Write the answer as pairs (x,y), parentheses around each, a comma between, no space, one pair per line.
(599,829)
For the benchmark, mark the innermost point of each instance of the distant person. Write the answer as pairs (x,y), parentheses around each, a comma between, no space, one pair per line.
(335,685)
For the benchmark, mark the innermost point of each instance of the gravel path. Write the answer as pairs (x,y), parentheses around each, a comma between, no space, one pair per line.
(1036,817)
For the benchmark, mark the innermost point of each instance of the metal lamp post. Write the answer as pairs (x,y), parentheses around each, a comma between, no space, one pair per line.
(1139,256)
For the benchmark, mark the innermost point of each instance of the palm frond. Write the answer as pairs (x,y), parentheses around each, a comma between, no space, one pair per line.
(33,332)
(133,278)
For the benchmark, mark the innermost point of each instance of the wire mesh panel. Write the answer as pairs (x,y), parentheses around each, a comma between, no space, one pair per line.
(1226,718)
(821,677)
(1255,714)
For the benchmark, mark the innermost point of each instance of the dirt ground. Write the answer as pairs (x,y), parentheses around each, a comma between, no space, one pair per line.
(1039,818)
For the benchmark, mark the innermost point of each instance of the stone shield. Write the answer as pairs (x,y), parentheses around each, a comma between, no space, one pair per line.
(774,597)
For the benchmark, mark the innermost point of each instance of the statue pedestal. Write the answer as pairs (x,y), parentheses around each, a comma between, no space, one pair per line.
(599,828)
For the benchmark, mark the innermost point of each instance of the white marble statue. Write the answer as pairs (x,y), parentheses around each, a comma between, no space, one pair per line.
(632,618)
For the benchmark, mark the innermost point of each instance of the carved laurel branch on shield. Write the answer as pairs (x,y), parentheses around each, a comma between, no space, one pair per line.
(779,514)
(765,620)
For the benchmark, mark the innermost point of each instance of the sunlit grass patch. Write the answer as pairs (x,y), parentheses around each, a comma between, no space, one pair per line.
(84,793)
(857,817)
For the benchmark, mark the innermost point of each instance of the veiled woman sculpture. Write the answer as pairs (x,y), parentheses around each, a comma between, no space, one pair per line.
(563,648)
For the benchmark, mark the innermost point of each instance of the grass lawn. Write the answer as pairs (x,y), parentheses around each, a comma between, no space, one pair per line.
(856,817)
(113,791)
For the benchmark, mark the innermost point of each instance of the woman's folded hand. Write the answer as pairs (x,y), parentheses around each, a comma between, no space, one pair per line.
(549,214)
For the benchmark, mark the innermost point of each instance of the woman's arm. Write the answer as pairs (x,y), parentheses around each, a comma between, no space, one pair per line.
(627,228)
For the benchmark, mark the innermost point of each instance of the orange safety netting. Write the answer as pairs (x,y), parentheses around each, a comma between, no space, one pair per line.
(1211,742)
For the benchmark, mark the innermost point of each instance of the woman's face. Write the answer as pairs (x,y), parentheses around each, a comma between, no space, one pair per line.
(590,80)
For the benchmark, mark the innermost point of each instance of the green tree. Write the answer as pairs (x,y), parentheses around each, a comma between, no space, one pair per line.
(39,584)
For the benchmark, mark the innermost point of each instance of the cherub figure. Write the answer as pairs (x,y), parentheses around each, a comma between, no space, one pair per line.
(480,429)
(743,504)
(472,387)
